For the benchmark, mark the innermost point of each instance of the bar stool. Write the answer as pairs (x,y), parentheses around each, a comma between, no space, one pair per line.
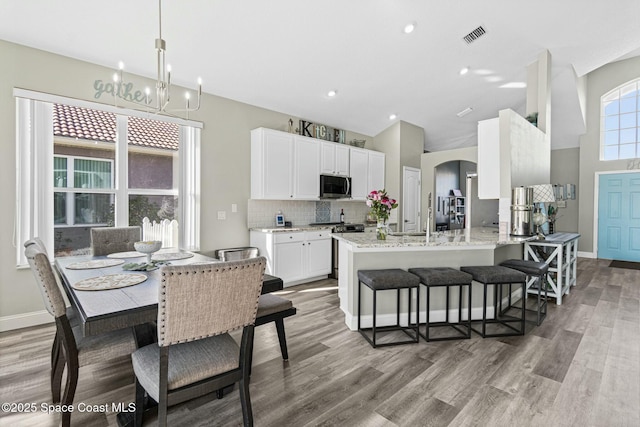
(448,278)
(384,280)
(498,275)
(539,271)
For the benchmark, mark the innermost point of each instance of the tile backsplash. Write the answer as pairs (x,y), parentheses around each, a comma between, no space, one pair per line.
(261,213)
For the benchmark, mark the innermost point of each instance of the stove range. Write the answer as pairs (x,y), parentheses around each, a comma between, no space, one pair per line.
(349,228)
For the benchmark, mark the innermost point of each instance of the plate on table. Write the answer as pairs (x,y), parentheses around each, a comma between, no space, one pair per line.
(122,255)
(95,263)
(109,281)
(168,256)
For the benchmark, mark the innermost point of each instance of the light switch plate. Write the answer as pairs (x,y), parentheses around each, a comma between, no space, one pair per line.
(222,214)
(234,207)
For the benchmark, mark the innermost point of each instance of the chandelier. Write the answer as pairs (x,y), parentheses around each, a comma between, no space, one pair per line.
(122,89)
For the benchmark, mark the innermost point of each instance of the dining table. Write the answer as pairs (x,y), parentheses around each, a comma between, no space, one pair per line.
(132,306)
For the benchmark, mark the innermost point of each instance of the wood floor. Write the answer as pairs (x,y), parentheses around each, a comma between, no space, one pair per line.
(581,367)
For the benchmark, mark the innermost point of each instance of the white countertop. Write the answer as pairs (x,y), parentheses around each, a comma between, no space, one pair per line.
(291,229)
(479,236)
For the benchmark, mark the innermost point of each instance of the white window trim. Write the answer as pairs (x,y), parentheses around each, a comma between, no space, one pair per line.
(603,119)
(34,170)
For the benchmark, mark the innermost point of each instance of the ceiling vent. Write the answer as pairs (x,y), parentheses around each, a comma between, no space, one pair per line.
(474,35)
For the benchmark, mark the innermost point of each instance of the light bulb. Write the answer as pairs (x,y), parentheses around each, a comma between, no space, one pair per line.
(187,95)
(199,81)
(115,77)
(147,91)
(121,65)
(168,68)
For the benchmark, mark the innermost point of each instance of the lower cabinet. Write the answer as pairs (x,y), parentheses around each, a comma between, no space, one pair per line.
(297,256)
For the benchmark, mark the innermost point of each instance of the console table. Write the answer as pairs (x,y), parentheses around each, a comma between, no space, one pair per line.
(560,252)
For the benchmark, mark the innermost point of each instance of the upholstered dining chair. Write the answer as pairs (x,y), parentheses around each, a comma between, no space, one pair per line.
(69,348)
(108,240)
(195,355)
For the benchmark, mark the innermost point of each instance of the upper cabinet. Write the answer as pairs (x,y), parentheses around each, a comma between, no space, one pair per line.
(284,166)
(334,159)
(367,172)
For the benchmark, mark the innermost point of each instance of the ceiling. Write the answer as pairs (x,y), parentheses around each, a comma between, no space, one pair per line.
(285,55)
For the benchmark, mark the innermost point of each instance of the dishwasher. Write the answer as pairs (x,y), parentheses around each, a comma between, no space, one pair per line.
(341,228)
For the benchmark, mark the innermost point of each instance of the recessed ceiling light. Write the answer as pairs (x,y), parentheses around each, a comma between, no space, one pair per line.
(514,85)
(408,29)
(493,79)
(464,71)
(332,93)
(464,112)
(392,117)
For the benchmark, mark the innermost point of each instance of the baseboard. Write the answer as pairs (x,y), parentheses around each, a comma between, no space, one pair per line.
(587,255)
(25,320)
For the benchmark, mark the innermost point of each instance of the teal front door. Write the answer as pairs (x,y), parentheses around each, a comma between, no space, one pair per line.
(619,216)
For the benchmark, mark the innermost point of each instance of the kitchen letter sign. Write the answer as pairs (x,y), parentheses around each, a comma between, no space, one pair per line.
(327,133)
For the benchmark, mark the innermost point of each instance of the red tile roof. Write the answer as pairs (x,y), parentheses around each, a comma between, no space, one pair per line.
(95,125)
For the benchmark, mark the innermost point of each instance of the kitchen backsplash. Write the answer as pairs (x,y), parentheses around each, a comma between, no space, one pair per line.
(262,212)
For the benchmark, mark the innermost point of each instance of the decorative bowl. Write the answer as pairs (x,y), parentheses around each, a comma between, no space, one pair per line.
(148,247)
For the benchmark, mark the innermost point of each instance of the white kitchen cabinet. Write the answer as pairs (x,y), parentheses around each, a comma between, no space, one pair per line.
(318,250)
(375,172)
(296,256)
(367,172)
(306,169)
(289,256)
(284,166)
(359,174)
(334,159)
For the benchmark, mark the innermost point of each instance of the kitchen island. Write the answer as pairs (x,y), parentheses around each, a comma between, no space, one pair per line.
(361,251)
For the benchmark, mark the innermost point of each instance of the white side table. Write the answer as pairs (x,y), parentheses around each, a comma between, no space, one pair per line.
(560,252)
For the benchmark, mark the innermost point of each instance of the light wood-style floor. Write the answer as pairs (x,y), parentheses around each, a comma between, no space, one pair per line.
(581,367)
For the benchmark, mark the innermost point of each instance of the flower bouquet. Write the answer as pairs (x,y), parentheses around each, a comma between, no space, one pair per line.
(381,205)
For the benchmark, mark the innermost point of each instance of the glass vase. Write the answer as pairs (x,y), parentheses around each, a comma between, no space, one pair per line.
(382,229)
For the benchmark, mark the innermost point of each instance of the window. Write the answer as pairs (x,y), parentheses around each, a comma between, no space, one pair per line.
(87,165)
(620,122)
(71,207)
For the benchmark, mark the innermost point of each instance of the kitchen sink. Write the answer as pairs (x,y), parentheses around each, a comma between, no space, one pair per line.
(407,233)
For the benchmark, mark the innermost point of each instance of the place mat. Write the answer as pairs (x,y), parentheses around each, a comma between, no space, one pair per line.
(110,281)
(121,255)
(95,263)
(168,256)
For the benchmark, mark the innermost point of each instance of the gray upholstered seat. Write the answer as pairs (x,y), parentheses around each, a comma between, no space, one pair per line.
(190,362)
(441,276)
(270,304)
(197,306)
(529,267)
(70,348)
(391,279)
(494,274)
(109,240)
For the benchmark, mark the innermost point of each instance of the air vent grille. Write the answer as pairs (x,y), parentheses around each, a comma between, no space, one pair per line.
(474,35)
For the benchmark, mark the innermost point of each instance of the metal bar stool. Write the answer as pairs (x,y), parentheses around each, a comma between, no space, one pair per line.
(498,275)
(384,280)
(537,270)
(448,278)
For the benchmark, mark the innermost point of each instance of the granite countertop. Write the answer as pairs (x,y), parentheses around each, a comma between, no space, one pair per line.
(291,229)
(479,236)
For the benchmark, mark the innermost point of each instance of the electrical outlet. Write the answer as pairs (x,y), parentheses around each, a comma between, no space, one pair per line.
(234,208)
(222,214)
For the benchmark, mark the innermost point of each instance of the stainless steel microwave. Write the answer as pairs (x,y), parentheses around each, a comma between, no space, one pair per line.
(335,187)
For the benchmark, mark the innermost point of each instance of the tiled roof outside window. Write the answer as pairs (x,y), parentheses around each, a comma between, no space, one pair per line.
(95,125)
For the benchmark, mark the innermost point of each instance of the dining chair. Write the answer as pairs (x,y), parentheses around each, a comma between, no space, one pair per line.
(198,305)
(69,347)
(108,240)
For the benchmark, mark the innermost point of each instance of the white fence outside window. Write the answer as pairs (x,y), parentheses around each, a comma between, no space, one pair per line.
(166,231)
